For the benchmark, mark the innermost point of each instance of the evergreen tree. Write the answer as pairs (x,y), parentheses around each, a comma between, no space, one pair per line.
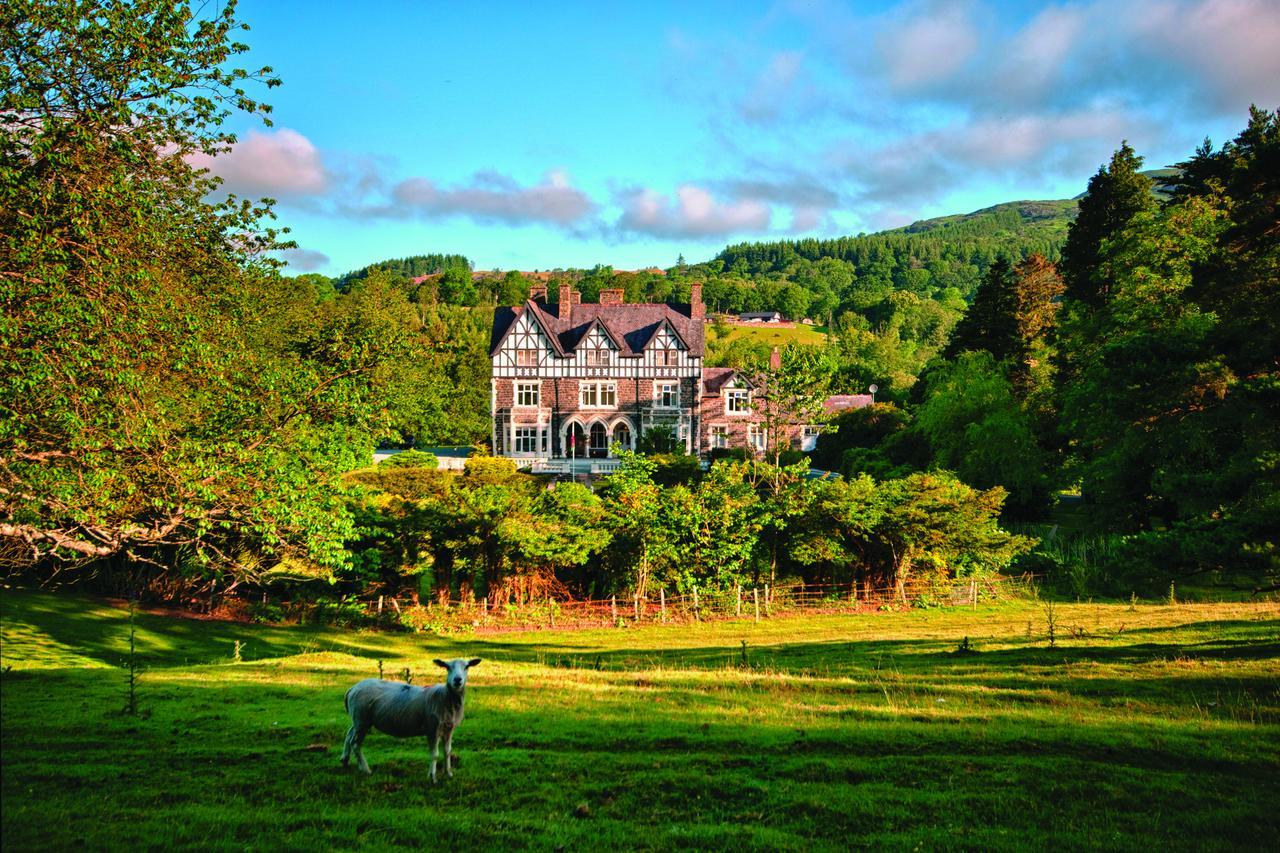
(1116,194)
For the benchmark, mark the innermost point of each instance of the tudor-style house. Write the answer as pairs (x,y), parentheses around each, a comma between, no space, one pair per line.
(573,380)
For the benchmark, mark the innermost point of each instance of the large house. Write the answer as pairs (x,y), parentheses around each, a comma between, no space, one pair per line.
(572,380)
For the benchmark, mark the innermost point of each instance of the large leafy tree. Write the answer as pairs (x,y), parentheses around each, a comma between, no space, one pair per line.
(166,400)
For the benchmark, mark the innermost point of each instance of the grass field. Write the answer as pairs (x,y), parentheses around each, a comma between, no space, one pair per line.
(771,335)
(1145,727)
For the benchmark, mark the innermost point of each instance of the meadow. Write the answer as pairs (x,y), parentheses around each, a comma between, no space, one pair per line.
(1143,725)
(769,335)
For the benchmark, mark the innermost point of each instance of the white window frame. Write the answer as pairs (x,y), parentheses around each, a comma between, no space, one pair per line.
(719,437)
(666,358)
(733,394)
(660,395)
(597,357)
(757,437)
(597,392)
(526,358)
(526,440)
(533,389)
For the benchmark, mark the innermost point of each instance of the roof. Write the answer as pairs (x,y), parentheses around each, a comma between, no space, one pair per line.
(714,378)
(838,403)
(630,325)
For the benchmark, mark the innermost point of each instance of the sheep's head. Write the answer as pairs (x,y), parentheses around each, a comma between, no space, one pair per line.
(457,671)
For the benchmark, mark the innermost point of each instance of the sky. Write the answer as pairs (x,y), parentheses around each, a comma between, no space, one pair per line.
(540,135)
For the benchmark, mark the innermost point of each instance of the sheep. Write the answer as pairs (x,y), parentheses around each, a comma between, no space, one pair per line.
(402,710)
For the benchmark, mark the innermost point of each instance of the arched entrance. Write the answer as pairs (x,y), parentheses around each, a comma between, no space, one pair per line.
(574,441)
(622,435)
(599,441)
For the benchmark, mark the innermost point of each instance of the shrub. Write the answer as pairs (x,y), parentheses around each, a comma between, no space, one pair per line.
(411,459)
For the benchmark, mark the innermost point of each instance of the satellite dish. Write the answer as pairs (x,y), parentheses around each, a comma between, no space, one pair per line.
(873,389)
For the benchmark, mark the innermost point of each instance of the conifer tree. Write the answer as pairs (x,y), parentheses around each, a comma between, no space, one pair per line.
(1116,194)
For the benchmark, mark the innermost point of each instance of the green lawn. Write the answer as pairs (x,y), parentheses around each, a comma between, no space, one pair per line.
(771,335)
(1146,727)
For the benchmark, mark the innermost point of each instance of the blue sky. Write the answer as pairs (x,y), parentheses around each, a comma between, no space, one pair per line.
(534,136)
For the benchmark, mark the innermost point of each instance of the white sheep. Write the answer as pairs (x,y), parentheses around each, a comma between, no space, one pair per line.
(402,710)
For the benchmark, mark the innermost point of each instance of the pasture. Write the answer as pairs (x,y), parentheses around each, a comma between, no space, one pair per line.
(769,335)
(1145,726)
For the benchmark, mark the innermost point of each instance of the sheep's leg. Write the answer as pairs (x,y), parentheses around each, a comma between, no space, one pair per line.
(448,753)
(346,744)
(358,744)
(434,739)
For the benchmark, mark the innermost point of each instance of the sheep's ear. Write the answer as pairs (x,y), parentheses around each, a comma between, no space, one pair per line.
(439,662)
(472,662)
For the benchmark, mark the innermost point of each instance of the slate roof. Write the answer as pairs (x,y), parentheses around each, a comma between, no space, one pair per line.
(714,378)
(630,325)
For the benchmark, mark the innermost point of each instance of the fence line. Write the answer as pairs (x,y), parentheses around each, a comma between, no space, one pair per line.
(764,601)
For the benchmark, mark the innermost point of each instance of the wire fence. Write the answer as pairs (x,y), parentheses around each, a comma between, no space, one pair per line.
(750,603)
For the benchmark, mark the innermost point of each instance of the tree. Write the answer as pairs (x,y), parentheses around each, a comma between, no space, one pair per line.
(789,390)
(976,428)
(161,407)
(1116,194)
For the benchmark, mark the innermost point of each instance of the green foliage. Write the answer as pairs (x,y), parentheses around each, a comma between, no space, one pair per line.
(166,399)
(976,428)
(411,459)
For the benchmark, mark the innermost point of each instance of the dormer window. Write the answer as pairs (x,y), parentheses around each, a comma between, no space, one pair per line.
(597,357)
(666,358)
(526,358)
(737,401)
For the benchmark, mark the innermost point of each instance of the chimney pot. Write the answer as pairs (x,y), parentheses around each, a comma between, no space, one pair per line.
(566,294)
(612,296)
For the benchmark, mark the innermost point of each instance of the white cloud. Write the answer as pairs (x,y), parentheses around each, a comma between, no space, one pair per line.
(281,164)
(930,46)
(693,212)
(494,197)
(305,260)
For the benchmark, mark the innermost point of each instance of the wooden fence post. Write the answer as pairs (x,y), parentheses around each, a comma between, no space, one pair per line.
(738,591)
(755,594)
(379,607)
(636,602)
(766,600)
(613,608)
(396,605)
(662,598)
(551,611)
(696,615)
(973,594)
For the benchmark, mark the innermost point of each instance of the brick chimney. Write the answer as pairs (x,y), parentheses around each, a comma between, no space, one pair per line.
(696,309)
(577,298)
(566,294)
(538,292)
(775,359)
(612,296)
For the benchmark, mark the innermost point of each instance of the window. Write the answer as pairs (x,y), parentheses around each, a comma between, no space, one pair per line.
(598,395)
(526,440)
(809,437)
(597,357)
(526,358)
(667,395)
(737,401)
(757,437)
(666,357)
(719,437)
(527,394)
